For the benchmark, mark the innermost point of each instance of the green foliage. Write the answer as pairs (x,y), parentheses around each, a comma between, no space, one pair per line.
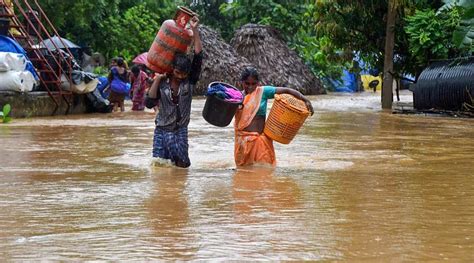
(101,71)
(359,26)
(354,27)
(295,20)
(210,15)
(428,35)
(313,49)
(88,22)
(75,19)
(287,16)
(4,114)
(326,34)
(129,34)
(463,36)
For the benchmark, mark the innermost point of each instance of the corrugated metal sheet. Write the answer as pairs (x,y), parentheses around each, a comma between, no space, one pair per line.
(445,85)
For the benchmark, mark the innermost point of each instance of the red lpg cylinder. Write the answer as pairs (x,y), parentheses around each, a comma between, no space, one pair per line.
(172,38)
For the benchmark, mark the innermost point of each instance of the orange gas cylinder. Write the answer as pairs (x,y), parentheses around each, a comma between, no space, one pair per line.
(173,37)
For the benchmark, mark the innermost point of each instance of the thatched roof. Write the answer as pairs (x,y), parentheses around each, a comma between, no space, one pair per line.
(220,62)
(277,64)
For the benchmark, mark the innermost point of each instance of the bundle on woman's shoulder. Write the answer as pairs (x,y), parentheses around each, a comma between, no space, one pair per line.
(225,93)
(221,104)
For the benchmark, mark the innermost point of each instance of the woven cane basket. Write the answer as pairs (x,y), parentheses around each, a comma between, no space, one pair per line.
(286,118)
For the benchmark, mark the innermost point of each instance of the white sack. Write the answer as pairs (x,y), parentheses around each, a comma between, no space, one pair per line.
(12,62)
(21,81)
(28,81)
(11,80)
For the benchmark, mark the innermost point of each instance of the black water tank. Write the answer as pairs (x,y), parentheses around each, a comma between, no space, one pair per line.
(445,85)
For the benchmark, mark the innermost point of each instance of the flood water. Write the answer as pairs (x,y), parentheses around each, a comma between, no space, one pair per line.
(356,184)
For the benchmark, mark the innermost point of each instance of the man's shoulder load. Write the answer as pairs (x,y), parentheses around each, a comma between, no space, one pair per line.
(172,38)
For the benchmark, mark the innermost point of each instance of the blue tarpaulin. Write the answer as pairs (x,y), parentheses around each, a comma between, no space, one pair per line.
(9,45)
(347,83)
(103,83)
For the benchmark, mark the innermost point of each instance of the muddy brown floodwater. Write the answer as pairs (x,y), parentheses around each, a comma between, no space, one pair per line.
(356,184)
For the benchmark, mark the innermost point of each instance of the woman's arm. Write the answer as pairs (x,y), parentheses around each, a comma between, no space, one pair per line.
(110,77)
(297,94)
(131,79)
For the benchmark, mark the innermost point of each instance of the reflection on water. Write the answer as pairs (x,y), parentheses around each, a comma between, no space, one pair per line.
(169,213)
(355,185)
(258,190)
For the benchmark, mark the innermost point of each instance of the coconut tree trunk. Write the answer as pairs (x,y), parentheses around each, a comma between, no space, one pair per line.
(387,84)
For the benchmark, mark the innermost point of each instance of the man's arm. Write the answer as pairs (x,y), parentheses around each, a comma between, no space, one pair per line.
(197,59)
(153,95)
(197,38)
(195,69)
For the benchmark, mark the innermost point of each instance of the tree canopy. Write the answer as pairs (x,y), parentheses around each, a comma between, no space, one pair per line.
(328,35)
(112,27)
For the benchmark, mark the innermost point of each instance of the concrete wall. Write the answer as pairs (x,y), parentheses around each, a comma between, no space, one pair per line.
(33,104)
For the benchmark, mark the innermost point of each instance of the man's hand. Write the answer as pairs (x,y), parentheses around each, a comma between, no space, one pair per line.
(194,22)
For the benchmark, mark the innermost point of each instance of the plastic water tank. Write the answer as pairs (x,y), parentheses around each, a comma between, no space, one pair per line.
(445,85)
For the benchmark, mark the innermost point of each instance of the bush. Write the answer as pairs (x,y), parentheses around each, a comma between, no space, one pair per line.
(129,34)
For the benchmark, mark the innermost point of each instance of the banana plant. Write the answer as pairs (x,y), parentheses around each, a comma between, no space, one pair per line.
(4,113)
(464,33)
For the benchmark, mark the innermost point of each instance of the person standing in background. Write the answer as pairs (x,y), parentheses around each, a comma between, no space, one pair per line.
(139,81)
(118,84)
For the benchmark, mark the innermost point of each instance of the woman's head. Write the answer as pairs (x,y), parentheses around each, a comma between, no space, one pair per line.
(143,68)
(120,62)
(249,79)
(135,70)
(113,62)
(181,66)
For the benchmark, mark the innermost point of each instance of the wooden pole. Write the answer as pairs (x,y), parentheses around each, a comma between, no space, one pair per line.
(387,84)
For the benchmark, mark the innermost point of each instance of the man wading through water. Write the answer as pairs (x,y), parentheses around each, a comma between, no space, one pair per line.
(173,93)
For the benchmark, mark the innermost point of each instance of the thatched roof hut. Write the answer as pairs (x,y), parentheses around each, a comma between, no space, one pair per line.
(220,63)
(277,64)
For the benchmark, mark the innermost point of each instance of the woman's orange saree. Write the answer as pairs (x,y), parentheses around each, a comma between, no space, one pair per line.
(251,147)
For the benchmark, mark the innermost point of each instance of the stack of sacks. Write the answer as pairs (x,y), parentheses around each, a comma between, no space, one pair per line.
(13,73)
